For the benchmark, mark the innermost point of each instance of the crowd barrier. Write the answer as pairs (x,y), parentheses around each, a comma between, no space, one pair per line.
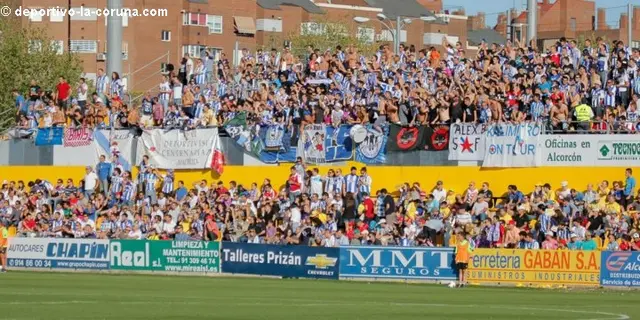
(538,268)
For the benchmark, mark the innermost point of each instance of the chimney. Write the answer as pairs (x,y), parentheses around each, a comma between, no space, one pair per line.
(476,22)
(501,26)
(602,19)
(481,20)
(636,18)
(624,21)
(514,15)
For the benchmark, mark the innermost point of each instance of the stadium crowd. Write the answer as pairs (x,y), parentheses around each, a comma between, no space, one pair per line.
(564,87)
(331,209)
(595,88)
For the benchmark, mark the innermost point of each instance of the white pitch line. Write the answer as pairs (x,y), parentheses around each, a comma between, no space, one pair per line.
(319,303)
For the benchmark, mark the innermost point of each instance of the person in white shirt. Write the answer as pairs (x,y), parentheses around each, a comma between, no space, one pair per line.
(316,183)
(189,67)
(90,182)
(329,240)
(439,193)
(165,93)
(253,237)
(82,94)
(168,225)
(177,92)
(296,217)
(135,234)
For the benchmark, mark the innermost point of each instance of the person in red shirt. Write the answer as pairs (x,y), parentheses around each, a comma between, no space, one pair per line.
(369,208)
(295,184)
(63,91)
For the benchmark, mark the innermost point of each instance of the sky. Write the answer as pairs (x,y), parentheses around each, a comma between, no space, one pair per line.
(493,7)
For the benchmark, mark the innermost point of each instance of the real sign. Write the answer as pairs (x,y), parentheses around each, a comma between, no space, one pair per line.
(58,253)
(283,261)
(397,263)
(178,256)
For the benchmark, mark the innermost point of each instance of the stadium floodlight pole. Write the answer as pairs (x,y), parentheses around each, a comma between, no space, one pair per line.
(401,22)
(630,25)
(114,37)
(532,19)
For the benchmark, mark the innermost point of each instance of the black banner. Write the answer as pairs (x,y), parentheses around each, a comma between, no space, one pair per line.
(437,138)
(406,138)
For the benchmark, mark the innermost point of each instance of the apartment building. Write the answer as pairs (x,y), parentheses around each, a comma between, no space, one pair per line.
(190,26)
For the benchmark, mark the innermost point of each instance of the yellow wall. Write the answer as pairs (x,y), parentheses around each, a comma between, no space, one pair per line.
(456,178)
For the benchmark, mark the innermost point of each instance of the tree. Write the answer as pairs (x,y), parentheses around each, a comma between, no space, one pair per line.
(326,33)
(28,53)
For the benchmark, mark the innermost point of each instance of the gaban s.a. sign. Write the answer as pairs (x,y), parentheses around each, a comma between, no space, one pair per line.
(397,263)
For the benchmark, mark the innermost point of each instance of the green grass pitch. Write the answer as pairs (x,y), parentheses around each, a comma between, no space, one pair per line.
(28,295)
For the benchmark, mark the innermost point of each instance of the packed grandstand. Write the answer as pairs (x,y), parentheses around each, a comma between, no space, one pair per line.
(561,89)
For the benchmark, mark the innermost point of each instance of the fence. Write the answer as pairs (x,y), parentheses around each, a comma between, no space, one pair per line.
(544,268)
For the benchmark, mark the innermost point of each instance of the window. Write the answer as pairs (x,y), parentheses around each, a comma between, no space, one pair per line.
(572,24)
(84,46)
(165,35)
(215,53)
(194,19)
(56,15)
(387,35)
(34,15)
(193,50)
(57,46)
(214,23)
(366,34)
(635,44)
(163,67)
(35,46)
(84,14)
(313,28)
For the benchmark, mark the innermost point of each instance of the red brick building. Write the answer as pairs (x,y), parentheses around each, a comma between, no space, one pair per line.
(190,26)
(570,19)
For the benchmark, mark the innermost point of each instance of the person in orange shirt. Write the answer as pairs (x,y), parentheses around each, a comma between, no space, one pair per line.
(4,241)
(463,255)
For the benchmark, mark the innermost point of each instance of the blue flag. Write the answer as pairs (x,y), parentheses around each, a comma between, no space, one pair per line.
(373,149)
(338,144)
(49,136)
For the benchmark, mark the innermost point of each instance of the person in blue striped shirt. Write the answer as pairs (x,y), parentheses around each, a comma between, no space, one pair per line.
(167,182)
(116,182)
(364,182)
(537,108)
(150,179)
(351,181)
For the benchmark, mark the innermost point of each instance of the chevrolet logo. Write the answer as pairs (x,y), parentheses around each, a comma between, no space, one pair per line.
(321,261)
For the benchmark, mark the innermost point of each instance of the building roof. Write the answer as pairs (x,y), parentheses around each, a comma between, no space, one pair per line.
(403,8)
(475,37)
(307,5)
(542,8)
